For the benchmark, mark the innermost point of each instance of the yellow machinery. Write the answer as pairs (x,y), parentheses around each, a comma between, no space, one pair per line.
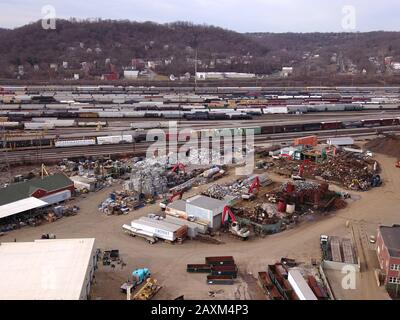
(148,291)
(44,171)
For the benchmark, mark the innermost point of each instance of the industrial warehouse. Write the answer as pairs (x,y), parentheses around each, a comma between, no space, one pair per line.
(47,269)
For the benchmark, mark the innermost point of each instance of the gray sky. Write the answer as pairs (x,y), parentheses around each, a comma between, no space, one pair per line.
(238,15)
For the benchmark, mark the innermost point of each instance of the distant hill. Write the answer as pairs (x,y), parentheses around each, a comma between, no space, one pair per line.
(171,48)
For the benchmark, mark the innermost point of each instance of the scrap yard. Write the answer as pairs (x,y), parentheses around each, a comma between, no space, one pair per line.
(313,173)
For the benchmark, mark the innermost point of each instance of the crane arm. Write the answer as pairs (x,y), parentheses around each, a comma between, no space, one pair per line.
(228,210)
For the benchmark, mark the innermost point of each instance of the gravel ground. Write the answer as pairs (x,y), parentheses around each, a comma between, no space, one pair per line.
(168,262)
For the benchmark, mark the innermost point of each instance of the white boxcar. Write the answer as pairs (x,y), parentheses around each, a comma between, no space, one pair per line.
(75,143)
(276,110)
(38,126)
(62,123)
(114,139)
(133,114)
(104,114)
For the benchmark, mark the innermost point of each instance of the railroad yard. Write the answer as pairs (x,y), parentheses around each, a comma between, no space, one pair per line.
(324,179)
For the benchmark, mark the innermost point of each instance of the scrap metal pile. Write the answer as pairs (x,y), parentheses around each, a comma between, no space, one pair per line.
(352,171)
(305,196)
(355,173)
(120,203)
(234,190)
(265,214)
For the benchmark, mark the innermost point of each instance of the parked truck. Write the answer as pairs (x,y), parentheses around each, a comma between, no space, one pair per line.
(133,232)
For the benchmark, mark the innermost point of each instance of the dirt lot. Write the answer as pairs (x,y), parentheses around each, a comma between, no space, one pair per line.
(168,262)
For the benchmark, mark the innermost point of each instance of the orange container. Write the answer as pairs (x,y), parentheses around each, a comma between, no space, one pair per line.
(306,141)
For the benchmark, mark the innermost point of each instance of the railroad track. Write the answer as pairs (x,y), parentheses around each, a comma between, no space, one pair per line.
(140,149)
(196,125)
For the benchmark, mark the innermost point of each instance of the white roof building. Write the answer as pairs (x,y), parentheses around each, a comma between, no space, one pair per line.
(343,141)
(60,269)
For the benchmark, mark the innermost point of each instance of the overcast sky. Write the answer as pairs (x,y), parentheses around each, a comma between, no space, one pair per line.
(238,15)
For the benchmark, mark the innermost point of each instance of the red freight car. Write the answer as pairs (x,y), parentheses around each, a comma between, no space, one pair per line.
(334,125)
(389,122)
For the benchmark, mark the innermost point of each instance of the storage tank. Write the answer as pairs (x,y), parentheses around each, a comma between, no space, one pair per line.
(281,206)
(290,208)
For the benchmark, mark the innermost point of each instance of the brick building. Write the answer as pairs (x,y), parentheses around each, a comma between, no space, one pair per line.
(388,251)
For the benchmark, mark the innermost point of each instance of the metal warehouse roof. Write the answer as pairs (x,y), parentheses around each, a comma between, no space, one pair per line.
(161,224)
(178,205)
(340,141)
(21,206)
(22,190)
(206,202)
(44,269)
(391,237)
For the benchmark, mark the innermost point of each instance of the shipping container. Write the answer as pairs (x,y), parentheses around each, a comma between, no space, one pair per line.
(220,261)
(306,141)
(198,268)
(220,280)
(225,270)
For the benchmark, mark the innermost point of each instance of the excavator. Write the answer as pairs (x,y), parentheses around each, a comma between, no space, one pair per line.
(170,199)
(234,228)
(302,168)
(255,186)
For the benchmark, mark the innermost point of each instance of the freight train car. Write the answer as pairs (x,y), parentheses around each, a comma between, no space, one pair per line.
(371,123)
(114,139)
(28,144)
(352,124)
(334,125)
(312,126)
(271,129)
(390,122)
(74,143)
(293,128)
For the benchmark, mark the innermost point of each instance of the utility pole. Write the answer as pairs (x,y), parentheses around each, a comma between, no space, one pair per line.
(6,164)
(195,71)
